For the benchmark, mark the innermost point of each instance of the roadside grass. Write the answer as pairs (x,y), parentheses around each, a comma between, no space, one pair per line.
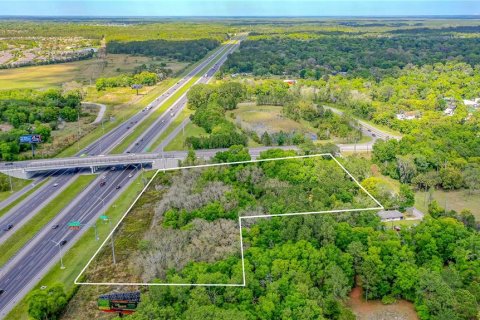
(178,143)
(22,197)
(17,184)
(451,200)
(78,255)
(22,235)
(140,129)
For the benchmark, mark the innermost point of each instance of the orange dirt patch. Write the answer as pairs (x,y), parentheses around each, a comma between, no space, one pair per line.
(375,310)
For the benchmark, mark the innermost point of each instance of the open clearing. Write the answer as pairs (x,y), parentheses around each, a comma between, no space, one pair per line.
(375,310)
(45,76)
(451,200)
(266,118)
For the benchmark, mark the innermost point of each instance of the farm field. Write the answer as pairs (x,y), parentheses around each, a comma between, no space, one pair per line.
(45,76)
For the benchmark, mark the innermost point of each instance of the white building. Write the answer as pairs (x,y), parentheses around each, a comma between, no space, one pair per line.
(409,115)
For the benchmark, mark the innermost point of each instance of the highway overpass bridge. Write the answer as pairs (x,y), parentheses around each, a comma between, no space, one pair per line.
(27,169)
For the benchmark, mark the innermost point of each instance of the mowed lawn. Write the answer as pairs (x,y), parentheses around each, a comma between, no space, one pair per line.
(36,77)
(452,200)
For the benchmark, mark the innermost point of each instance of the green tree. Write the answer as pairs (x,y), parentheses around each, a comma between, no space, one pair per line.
(47,304)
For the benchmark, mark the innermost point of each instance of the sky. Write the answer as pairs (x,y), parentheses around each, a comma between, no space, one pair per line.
(165,8)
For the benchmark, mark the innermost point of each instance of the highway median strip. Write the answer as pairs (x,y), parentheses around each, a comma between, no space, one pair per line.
(22,235)
(22,197)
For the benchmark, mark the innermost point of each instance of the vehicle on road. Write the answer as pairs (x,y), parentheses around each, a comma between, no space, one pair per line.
(130,175)
(118,187)
(9,163)
(55,184)
(2,291)
(112,168)
(55,226)
(103,183)
(63,242)
(8,227)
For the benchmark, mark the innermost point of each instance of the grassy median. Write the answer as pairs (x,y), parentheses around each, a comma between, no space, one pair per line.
(78,255)
(22,197)
(22,235)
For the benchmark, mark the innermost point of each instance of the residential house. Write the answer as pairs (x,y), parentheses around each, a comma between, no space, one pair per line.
(390,215)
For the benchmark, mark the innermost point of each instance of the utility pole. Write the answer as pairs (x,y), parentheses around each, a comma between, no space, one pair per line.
(11,185)
(113,243)
(60,252)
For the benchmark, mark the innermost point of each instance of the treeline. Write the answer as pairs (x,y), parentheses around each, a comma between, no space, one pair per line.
(363,56)
(66,57)
(126,80)
(115,29)
(34,112)
(210,103)
(298,270)
(190,51)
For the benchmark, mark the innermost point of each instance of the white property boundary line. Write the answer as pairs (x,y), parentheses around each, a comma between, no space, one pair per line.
(380,207)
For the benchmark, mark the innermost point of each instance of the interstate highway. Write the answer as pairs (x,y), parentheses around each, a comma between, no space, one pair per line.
(32,204)
(21,273)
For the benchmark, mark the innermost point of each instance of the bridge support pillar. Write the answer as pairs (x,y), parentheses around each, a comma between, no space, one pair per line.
(92,168)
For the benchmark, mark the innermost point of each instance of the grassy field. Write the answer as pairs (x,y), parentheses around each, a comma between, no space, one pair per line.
(17,184)
(21,198)
(76,257)
(266,118)
(21,236)
(85,71)
(178,143)
(452,200)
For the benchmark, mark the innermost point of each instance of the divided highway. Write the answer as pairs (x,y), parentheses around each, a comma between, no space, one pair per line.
(32,204)
(21,273)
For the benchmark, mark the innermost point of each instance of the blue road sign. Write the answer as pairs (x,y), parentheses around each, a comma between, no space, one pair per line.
(30,138)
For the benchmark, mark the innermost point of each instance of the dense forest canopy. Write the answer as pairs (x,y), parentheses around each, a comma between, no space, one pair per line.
(364,55)
(179,50)
(296,267)
(33,111)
